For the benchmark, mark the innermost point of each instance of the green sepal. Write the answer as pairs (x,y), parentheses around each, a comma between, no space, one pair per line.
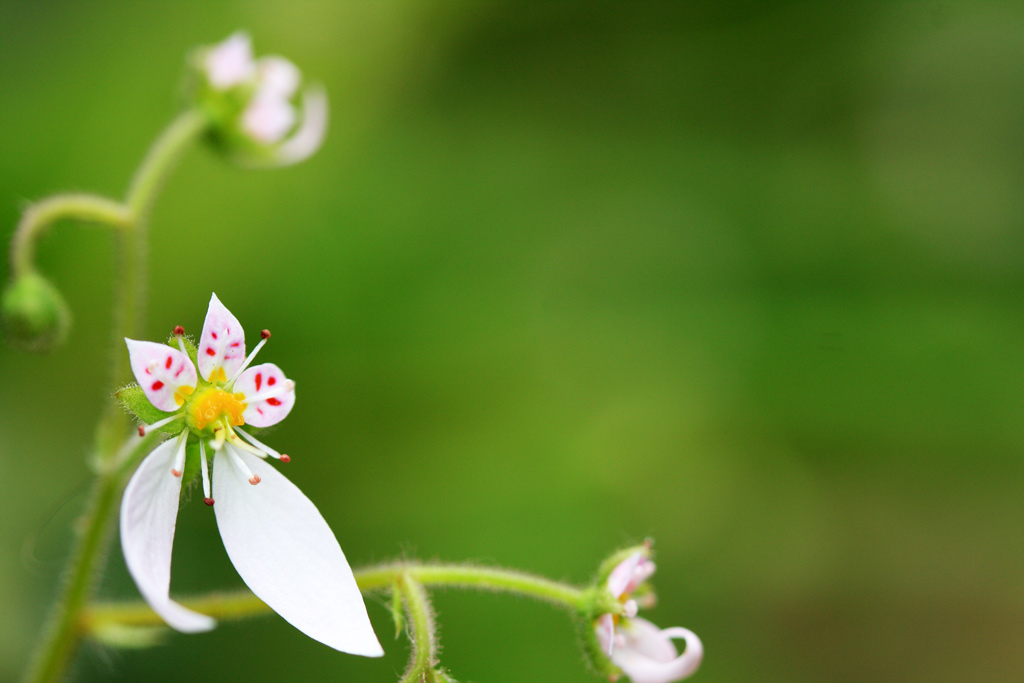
(597,660)
(134,400)
(191,470)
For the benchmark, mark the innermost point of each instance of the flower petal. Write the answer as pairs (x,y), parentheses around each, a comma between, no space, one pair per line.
(161,371)
(270,396)
(288,556)
(277,76)
(648,655)
(312,129)
(622,575)
(230,62)
(149,511)
(222,344)
(268,118)
(606,633)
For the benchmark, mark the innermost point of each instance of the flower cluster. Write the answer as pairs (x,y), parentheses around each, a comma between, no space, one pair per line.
(640,649)
(275,537)
(253,104)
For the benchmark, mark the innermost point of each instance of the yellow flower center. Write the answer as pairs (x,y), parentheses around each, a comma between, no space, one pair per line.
(212,405)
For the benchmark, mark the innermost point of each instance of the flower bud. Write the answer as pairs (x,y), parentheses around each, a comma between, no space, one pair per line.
(258,112)
(35,315)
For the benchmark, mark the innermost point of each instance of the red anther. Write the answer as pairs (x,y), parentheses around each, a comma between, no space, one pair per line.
(179,330)
(142,430)
(208,501)
(255,479)
(265,334)
(286,458)
(176,473)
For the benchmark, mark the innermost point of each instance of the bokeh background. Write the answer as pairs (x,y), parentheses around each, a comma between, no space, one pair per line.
(742,277)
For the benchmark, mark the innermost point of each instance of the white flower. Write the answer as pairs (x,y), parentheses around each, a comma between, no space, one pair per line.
(643,651)
(274,536)
(269,116)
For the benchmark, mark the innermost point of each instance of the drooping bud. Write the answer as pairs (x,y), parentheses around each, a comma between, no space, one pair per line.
(259,115)
(35,315)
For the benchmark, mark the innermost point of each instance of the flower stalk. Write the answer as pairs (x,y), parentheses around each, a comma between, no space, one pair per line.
(62,634)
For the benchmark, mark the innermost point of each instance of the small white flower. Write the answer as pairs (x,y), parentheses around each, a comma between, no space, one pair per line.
(230,63)
(275,537)
(643,651)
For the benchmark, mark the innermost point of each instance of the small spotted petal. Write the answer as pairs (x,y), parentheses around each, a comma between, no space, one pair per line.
(647,654)
(222,343)
(230,62)
(288,556)
(149,512)
(269,395)
(161,371)
(277,77)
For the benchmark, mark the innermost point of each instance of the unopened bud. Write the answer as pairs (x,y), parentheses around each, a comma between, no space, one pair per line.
(35,315)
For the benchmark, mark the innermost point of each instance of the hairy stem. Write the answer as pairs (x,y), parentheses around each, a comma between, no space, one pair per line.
(63,633)
(243,604)
(44,213)
(422,631)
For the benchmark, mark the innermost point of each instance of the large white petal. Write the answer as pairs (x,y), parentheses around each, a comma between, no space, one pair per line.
(648,655)
(222,343)
(149,511)
(288,556)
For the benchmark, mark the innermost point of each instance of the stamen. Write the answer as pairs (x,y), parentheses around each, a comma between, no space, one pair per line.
(178,330)
(205,468)
(262,446)
(630,608)
(238,443)
(145,429)
(181,345)
(287,386)
(179,457)
(253,479)
(241,368)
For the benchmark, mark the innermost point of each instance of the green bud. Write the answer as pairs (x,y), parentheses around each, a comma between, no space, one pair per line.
(35,315)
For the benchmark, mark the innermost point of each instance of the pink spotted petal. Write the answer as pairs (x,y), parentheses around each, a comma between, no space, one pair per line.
(161,371)
(222,344)
(269,395)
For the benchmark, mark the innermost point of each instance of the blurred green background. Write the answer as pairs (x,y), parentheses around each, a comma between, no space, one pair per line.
(743,277)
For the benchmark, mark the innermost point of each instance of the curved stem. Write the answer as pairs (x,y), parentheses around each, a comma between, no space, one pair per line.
(161,158)
(41,215)
(239,605)
(62,633)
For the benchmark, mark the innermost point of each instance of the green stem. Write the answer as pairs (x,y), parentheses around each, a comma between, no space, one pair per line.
(62,633)
(423,631)
(41,215)
(131,285)
(244,604)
